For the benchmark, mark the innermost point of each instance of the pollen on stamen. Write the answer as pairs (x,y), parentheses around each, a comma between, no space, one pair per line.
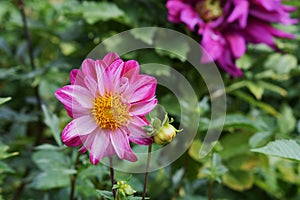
(109,112)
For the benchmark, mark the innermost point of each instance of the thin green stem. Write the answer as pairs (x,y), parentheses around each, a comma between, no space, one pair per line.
(147,172)
(210,190)
(112,176)
(211,179)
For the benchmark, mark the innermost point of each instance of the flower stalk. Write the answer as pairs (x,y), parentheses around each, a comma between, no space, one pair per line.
(112,176)
(147,172)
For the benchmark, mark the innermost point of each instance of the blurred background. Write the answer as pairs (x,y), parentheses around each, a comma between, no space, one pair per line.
(262,106)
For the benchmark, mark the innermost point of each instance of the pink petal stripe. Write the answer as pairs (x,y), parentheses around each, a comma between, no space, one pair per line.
(139,120)
(141,141)
(121,145)
(240,12)
(237,44)
(137,82)
(73,108)
(91,85)
(143,93)
(76,77)
(115,71)
(100,74)
(88,68)
(131,69)
(110,58)
(73,142)
(99,146)
(142,108)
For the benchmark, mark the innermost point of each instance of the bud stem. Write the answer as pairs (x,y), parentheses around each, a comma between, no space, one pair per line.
(147,171)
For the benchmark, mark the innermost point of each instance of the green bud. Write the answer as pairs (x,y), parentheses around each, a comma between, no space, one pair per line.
(165,134)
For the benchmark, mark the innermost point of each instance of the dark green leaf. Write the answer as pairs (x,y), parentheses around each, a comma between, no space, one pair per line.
(281,148)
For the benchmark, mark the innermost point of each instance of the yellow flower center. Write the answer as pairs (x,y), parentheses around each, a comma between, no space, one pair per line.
(110,112)
(209,10)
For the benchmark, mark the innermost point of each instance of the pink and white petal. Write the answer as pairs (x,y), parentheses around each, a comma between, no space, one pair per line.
(73,108)
(78,127)
(99,146)
(141,141)
(138,136)
(76,77)
(237,44)
(145,92)
(91,85)
(136,131)
(87,141)
(78,94)
(131,69)
(114,71)
(142,108)
(139,121)
(88,68)
(120,143)
(101,76)
(73,142)
(137,82)
(110,58)
(124,85)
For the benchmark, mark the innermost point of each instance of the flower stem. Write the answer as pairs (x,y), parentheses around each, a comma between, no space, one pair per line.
(147,172)
(112,176)
(210,189)
(73,178)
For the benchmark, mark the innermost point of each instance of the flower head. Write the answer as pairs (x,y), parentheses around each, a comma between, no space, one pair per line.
(226,26)
(108,100)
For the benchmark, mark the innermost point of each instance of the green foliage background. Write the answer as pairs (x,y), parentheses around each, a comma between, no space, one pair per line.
(263,106)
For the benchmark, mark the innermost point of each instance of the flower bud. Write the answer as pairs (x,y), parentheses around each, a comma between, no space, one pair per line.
(123,190)
(165,134)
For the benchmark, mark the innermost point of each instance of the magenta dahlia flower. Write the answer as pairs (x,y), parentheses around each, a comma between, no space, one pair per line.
(108,100)
(226,26)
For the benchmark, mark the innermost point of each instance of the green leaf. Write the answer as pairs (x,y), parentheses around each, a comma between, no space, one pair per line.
(4,154)
(195,149)
(4,168)
(52,121)
(5,99)
(260,138)
(235,144)
(232,121)
(47,147)
(281,148)
(286,120)
(50,180)
(238,180)
(107,195)
(255,89)
(272,87)
(256,103)
(245,62)
(281,63)
(100,11)
(46,158)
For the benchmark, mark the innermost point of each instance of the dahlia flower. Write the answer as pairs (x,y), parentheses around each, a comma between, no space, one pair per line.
(227,26)
(108,100)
